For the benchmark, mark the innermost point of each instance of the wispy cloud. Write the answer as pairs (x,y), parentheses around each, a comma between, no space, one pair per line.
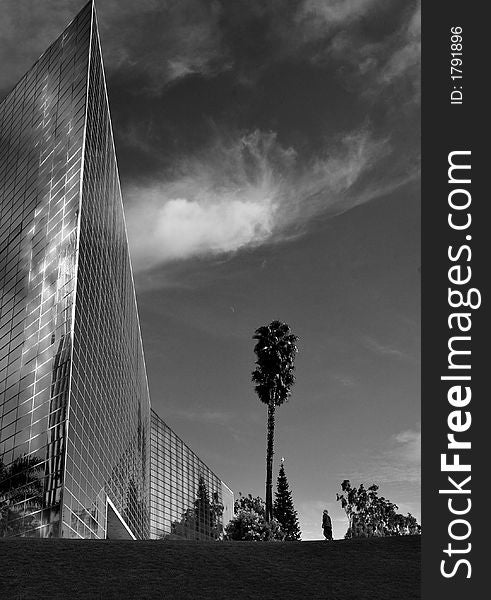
(373,64)
(201,416)
(164,41)
(406,55)
(227,422)
(159,41)
(406,447)
(248,190)
(384,349)
(320,16)
(242,190)
(345,380)
(398,463)
(219,202)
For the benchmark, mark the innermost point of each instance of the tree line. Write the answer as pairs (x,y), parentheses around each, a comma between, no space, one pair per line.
(368,514)
(250,522)
(254,519)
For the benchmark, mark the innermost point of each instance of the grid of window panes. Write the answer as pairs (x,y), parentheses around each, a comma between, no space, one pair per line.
(41,133)
(187,500)
(107,449)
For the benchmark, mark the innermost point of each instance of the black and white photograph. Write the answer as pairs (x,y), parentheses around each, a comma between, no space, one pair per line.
(211,265)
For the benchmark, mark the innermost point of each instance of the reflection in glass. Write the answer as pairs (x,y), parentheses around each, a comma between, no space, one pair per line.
(204,520)
(73,389)
(76,431)
(21,493)
(187,500)
(41,138)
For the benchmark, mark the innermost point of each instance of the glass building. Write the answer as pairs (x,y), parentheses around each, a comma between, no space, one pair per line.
(74,404)
(187,500)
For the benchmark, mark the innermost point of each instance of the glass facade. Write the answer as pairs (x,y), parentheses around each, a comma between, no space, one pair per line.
(74,404)
(107,449)
(42,123)
(187,500)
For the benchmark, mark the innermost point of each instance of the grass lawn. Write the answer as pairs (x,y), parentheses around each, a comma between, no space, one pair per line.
(378,569)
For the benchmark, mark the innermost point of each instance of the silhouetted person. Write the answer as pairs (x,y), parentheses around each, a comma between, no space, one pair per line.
(327,525)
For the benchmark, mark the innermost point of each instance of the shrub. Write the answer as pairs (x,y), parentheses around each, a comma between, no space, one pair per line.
(249,522)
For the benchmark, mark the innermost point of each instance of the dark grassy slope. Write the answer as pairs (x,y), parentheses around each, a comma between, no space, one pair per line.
(378,569)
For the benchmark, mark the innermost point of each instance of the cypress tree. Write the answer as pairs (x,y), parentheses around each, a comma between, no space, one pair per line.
(284,510)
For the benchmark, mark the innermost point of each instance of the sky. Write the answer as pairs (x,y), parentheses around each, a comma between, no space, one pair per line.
(269,162)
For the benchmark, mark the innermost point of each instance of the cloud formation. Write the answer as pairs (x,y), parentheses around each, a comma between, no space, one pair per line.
(248,190)
(407,447)
(242,189)
(384,349)
(163,41)
(221,418)
(399,463)
(406,53)
(378,63)
(157,43)
(372,42)
(320,16)
(218,202)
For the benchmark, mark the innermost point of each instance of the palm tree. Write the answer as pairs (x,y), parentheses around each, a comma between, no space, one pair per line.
(273,378)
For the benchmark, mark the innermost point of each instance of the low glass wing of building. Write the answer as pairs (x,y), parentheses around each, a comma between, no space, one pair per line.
(187,500)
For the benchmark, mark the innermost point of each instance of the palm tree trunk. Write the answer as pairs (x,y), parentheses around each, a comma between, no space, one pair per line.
(269,463)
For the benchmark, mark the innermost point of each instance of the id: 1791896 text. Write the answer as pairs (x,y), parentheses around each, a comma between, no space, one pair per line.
(456,61)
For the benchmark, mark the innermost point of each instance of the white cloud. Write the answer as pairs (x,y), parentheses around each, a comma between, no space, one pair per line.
(182,228)
(245,191)
(219,202)
(320,15)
